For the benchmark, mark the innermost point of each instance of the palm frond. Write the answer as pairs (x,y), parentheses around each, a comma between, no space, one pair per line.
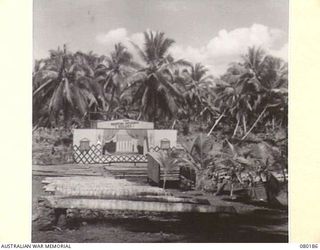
(141,53)
(44,85)
(168,85)
(56,101)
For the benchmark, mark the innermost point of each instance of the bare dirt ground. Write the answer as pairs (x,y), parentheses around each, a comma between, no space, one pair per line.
(252,223)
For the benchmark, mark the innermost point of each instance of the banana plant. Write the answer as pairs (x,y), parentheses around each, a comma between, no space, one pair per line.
(167,163)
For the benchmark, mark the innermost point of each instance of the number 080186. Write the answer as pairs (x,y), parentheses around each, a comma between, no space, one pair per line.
(308,245)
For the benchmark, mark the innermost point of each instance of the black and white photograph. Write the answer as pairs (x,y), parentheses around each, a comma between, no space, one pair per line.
(160,121)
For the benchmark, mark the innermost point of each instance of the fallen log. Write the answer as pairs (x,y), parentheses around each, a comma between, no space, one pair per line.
(62,174)
(121,183)
(104,180)
(104,192)
(102,204)
(143,197)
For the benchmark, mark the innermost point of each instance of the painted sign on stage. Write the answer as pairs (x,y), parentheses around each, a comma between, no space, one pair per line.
(125,124)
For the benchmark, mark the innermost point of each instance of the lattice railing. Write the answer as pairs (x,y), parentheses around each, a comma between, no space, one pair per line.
(157,149)
(94,155)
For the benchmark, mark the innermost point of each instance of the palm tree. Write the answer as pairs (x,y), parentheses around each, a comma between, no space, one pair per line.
(113,71)
(227,93)
(154,92)
(275,83)
(202,155)
(198,92)
(268,78)
(63,86)
(257,85)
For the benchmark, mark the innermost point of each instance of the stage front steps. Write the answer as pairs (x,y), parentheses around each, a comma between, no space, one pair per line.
(129,171)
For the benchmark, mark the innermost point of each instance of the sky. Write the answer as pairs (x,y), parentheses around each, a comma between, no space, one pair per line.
(213,32)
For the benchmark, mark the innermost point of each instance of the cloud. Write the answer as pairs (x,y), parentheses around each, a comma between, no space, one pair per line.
(120,35)
(217,53)
(189,53)
(282,52)
(227,47)
(137,38)
(237,41)
(112,37)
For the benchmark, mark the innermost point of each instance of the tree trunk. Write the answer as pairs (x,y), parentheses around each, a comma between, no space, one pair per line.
(35,127)
(111,100)
(244,124)
(201,155)
(66,115)
(139,116)
(216,123)
(283,173)
(164,181)
(101,204)
(236,128)
(174,123)
(273,123)
(255,123)
(231,190)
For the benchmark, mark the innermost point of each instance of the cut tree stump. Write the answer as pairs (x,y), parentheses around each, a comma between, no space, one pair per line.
(48,216)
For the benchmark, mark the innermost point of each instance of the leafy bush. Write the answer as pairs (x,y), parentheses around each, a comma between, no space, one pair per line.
(51,146)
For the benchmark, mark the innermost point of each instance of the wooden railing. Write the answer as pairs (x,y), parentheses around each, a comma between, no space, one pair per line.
(94,155)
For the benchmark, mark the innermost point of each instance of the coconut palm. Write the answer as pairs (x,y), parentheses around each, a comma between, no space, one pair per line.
(275,83)
(112,73)
(267,79)
(63,86)
(198,91)
(154,92)
(227,101)
(197,88)
(197,77)
(253,89)
(237,102)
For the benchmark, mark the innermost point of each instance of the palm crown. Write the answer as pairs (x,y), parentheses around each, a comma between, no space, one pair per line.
(155,93)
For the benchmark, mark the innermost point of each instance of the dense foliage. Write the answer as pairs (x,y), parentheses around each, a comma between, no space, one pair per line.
(249,102)
(250,96)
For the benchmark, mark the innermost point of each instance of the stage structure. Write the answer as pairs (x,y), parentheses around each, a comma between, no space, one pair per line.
(120,141)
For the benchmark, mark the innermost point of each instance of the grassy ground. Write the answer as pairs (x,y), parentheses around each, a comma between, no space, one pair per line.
(252,223)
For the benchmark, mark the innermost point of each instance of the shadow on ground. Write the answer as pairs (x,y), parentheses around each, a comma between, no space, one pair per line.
(253,223)
(258,226)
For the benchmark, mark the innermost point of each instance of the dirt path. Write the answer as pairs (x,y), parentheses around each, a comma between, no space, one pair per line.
(251,224)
